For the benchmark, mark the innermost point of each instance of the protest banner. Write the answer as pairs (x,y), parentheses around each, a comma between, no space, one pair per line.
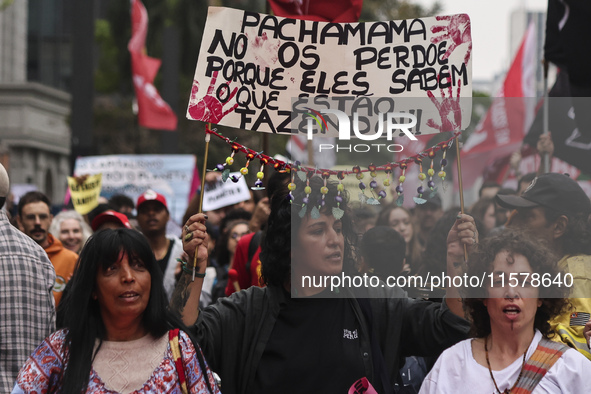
(251,66)
(170,175)
(85,192)
(222,194)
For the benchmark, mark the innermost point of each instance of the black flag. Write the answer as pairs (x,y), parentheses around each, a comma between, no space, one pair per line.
(570,144)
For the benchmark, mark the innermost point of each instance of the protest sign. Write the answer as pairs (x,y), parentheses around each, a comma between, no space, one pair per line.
(170,175)
(222,194)
(251,66)
(85,192)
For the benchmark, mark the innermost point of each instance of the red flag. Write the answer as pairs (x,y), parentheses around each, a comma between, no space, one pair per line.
(153,112)
(508,118)
(345,11)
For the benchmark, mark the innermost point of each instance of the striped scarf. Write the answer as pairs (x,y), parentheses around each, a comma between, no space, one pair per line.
(546,354)
(173,336)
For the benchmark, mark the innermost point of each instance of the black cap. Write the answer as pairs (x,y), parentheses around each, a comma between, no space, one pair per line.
(555,191)
(434,201)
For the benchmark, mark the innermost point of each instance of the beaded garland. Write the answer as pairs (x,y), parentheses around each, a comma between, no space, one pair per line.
(305,173)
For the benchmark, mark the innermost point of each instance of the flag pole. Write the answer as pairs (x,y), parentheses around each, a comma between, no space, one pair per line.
(459,164)
(204,172)
(546,164)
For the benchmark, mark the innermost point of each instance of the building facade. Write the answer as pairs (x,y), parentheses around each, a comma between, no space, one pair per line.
(35,137)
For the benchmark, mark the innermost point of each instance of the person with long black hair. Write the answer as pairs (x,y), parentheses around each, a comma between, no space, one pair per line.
(294,336)
(118,334)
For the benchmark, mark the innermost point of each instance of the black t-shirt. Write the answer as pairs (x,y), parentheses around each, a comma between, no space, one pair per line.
(163,262)
(313,348)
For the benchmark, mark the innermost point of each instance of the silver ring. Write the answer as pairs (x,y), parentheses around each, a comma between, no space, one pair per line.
(187,229)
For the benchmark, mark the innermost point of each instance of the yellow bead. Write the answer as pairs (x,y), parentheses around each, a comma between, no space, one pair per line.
(359,176)
(229,160)
(431,172)
(291,186)
(373,174)
(441,174)
(260,175)
(244,170)
(422,176)
(307,190)
(386,182)
(340,187)
(324,190)
(401,179)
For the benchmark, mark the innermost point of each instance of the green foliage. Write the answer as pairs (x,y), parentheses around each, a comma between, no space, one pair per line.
(107,75)
(5,4)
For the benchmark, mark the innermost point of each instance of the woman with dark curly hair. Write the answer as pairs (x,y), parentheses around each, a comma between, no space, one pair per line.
(297,336)
(511,350)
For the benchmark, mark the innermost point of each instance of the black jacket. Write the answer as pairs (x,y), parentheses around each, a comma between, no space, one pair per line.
(233,333)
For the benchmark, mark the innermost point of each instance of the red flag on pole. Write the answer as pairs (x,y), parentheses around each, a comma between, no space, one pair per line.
(345,11)
(508,118)
(153,112)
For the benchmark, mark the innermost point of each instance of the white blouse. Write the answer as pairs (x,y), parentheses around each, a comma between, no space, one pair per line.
(456,371)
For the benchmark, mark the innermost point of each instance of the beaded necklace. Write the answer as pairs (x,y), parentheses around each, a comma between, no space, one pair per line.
(507,391)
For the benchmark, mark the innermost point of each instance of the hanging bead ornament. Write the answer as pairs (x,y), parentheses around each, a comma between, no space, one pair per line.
(292,186)
(249,157)
(431,172)
(388,171)
(324,189)
(258,185)
(443,163)
(306,199)
(229,161)
(422,177)
(359,175)
(399,188)
(373,184)
(337,212)
(386,182)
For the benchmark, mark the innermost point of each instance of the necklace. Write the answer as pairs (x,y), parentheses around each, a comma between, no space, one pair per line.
(507,391)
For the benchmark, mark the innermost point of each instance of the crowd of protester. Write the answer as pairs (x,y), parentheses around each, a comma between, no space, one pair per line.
(119,290)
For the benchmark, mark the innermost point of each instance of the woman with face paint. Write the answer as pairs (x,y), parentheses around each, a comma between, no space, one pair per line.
(512,350)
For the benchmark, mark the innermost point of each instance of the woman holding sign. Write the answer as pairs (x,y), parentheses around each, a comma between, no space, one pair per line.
(294,337)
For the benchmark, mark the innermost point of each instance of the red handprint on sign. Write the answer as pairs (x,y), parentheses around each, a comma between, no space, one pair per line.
(458,30)
(210,108)
(446,106)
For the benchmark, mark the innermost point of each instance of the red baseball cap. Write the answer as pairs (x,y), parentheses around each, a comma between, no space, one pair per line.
(110,216)
(151,195)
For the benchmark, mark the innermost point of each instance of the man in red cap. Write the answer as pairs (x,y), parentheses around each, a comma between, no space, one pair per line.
(152,217)
(555,209)
(110,219)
